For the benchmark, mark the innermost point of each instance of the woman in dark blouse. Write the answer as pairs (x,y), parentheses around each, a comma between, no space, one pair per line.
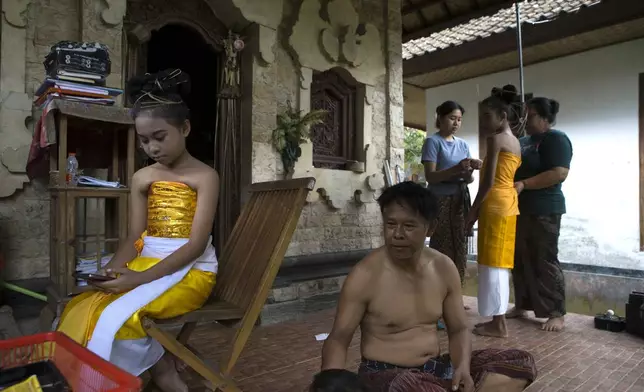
(537,276)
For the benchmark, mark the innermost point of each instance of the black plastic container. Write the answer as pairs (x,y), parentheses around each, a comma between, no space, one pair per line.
(610,323)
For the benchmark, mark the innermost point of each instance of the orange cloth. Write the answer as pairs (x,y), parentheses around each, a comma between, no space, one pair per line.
(498,215)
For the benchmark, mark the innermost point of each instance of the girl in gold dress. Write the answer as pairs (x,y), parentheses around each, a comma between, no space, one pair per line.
(496,208)
(167,266)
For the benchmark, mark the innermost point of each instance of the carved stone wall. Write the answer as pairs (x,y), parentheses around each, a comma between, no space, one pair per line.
(359,36)
(289,39)
(24,207)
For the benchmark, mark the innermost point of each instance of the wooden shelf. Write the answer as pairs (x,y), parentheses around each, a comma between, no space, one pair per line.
(88,223)
(90,191)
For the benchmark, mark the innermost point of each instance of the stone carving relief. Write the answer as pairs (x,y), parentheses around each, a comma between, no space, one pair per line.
(267,39)
(114,12)
(376,182)
(14,12)
(266,13)
(15,140)
(361,197)
(357,185)
(14,158)
(342,40)
(10,183)
(334,198)
(143,16)
(15,104)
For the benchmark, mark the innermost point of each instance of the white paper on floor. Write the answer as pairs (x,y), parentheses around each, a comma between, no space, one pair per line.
(321,336)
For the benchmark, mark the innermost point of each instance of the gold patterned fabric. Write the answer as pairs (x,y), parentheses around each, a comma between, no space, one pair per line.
(171,209)
(82,313)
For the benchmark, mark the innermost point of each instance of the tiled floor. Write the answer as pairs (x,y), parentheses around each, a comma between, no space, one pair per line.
(284,357)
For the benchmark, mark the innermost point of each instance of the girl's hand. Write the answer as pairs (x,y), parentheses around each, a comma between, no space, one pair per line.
(126,280)
(519,186)
(107,271)
(471,218)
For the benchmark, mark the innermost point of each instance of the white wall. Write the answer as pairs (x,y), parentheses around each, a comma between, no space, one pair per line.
(598,93)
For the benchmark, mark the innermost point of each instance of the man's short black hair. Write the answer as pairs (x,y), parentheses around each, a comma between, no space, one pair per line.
(336,380)
(411,195)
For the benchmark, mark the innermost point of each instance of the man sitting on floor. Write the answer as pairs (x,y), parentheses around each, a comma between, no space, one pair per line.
(397,294)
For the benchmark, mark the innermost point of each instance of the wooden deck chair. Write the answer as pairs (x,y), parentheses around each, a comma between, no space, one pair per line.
(247,270)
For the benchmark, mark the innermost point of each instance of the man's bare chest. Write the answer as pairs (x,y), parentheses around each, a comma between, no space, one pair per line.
(403,308)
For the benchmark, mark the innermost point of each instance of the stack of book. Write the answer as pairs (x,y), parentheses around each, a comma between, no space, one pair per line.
(77,71)
(53,88)
(83,77)
(78,62)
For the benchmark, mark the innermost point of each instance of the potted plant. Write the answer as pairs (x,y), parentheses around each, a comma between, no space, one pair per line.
(293,129)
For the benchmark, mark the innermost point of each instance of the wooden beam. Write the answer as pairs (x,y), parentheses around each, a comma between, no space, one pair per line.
(448,12)
(415,126)
(641,145)
(411,8)
(605,14)
(458,20)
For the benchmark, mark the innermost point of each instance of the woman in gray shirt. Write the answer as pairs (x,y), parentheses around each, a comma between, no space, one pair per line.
(448,170)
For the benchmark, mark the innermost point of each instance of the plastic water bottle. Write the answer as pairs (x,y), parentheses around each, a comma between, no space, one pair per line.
(72,170)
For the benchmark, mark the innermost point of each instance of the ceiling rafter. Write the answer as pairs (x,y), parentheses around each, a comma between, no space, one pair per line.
(604,14)
(411,8)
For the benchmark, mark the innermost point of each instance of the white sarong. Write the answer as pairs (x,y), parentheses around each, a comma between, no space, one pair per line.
(494,290)
(137,356)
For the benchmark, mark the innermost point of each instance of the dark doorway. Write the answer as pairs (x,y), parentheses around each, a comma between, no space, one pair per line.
(176,46)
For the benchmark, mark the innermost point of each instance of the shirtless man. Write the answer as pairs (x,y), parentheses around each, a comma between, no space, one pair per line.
(397,294)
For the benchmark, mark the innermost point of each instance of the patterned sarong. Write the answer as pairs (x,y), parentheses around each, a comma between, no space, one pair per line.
(449,237)
(436,374)
(538,279)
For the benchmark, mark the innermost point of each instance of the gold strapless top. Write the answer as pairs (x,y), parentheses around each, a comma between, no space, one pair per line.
(171,209)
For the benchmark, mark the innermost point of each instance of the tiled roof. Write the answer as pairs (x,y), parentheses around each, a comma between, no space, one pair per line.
(532,11)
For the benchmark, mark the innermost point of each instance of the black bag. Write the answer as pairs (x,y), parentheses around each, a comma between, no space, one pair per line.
(78,58)
(635,314)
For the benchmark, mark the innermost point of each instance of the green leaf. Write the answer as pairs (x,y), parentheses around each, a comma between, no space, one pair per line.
(413,141)
(293,128)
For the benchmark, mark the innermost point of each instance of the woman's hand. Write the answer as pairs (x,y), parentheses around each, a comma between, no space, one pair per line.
(476,164)
(465,164)
(126,280)
(519,187)
(462,169)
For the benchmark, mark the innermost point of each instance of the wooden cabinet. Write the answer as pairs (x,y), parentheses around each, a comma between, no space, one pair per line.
(87,223)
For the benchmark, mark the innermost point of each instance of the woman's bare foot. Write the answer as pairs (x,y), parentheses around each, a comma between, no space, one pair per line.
(554,324)
(495,328)
(165,376)
(516,313)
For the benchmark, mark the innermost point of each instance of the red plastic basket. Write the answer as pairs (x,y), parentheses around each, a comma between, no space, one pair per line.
(83,370)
